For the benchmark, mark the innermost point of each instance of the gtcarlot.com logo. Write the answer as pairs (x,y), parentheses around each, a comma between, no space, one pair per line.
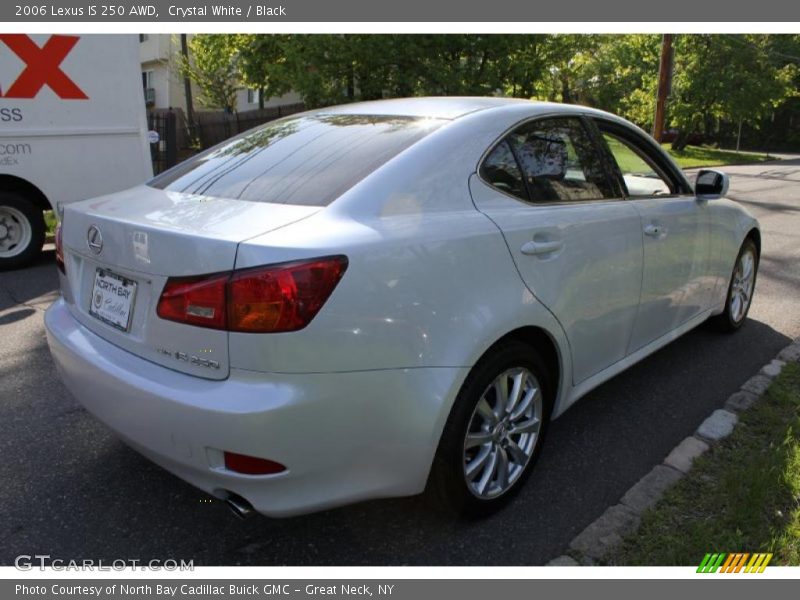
(27,562)
(734,562)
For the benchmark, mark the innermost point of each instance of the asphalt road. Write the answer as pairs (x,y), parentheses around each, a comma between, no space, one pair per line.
(72,490)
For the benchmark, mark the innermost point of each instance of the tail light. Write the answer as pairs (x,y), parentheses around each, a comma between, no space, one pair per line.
(271,299)
(195,300)
(59,236)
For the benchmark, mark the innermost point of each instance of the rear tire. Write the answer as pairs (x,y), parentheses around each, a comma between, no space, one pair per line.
(492,440)
(740,290)
(22,231)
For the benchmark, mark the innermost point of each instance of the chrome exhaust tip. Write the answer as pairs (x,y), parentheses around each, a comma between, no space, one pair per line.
(239,506)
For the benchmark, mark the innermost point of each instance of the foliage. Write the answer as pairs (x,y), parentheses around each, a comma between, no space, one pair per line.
(327,69)
(213,65)
(621,75)
(717,78)
(259,59)
(566,78)
(729,77)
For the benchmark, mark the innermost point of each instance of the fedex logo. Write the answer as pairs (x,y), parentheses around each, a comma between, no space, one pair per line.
(42,67)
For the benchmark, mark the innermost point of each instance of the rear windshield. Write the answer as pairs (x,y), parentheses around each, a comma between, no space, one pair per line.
(309,160)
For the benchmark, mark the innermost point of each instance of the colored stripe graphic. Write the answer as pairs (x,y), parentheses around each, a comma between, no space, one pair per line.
(758,563)
(711,563)
(734,562)
(727,567)
(742,561)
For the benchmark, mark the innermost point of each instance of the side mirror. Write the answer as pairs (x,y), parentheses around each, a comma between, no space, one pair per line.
(711,183)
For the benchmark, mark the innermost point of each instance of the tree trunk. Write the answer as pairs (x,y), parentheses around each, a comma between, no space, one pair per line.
(187,90)
(708,127)
(351,83)
(566,97)
(682,139)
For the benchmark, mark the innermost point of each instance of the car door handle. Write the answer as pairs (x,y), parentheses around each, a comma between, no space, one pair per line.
(539,248)
(655,230)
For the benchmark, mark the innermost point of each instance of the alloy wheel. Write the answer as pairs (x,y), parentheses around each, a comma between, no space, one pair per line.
(502,433)
(742,286)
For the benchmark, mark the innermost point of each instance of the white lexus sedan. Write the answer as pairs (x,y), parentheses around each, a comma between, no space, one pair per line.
(367,300)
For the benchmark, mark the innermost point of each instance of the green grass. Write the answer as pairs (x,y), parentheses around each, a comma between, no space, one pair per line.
(50,223)
(743,495)
(689,157)
(627,159)
(703,156)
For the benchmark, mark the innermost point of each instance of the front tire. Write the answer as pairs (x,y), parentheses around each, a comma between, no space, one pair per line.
(22,231)
(740,289)
(494,433)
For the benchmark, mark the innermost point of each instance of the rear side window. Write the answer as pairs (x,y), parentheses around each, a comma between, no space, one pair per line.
(502,171)
(549,160)
(560,161)
(308,160)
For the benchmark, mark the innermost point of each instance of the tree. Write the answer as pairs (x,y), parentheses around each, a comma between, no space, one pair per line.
(731,77)
(326,69)
(565,57)
(717,78)
(259,60)
(528,63)
(213,66)
(620,75)
(782,128)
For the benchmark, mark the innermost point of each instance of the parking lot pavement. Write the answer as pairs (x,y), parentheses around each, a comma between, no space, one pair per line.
(72,490)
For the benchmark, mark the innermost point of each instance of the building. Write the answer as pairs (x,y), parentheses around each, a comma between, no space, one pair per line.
(161,78)
(248,100)
(162,81)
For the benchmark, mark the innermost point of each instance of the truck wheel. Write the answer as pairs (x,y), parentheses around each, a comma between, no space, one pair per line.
(22,231)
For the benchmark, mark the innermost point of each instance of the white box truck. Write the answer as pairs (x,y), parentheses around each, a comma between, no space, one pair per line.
(72,126)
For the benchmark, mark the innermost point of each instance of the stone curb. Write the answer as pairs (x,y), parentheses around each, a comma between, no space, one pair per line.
(605,534)
(682,456)
(718,426)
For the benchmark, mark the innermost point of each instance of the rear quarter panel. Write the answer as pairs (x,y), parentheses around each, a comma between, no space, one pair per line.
(432,290)
(430,281)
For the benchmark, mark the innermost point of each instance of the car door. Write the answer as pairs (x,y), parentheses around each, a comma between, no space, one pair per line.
(576,243)
(674,225)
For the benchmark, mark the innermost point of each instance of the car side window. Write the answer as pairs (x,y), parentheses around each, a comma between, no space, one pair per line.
(501,170)
(638,171)
(560,161)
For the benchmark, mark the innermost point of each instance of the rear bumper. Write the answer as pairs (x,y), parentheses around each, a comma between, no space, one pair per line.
(344,437)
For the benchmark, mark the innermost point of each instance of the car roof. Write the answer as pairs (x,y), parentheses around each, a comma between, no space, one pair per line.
(435,107)
(453,107)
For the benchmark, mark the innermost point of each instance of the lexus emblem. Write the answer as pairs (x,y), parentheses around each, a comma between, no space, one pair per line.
(95,239)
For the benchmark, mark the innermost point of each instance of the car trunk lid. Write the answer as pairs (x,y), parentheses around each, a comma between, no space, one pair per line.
(121,249)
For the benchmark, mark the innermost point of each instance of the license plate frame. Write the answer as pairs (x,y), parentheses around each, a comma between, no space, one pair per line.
(101,302)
